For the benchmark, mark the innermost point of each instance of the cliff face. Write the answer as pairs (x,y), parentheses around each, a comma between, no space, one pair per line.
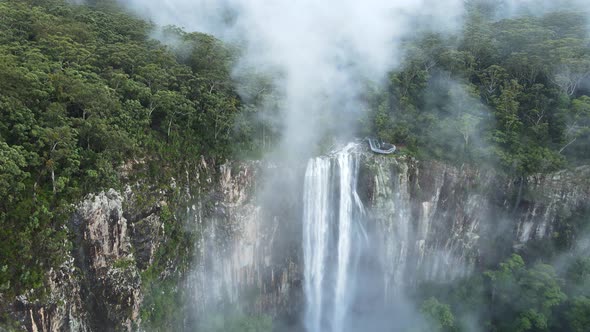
(550,199)
(110,278)
(239,258)
(98,288)
(62,311)
(245,256)
(427,220)
(438,222)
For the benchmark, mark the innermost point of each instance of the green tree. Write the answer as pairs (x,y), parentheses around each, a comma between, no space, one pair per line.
(84,91)
(507,133)
(13,164)
(438,315)
(523,299)
(578,314)
(577,121)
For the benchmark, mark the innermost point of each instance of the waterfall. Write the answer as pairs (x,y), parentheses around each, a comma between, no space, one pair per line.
(333,237)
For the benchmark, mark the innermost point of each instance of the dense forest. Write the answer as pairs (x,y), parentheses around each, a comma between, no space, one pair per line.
(88,92)
(85,94)
(512,92)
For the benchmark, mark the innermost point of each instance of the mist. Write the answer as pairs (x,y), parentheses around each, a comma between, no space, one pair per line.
(324,52)
(290,166)
(513,8)
(320,58)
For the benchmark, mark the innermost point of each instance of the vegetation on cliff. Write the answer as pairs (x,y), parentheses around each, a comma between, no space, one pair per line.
(511,92)
(513,297)
(90,100)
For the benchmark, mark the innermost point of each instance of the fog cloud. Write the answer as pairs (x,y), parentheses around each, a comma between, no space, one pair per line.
(325,51)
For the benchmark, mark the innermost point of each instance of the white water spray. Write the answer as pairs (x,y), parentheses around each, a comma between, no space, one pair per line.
(333,237)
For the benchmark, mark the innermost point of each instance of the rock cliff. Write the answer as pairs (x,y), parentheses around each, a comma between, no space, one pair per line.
(430,221)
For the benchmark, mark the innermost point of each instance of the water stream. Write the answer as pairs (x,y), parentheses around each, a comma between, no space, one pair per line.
(333,237)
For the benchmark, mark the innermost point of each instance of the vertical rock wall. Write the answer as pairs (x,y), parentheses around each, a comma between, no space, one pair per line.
(438,222)
(427,220)
(110,278)
(247,254)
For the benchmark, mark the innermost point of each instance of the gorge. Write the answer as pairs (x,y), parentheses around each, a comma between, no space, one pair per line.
(205,175)
(374,227)
(359,234)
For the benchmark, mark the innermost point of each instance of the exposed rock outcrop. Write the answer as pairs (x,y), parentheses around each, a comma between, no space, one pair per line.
(549,199)
(97,288)
(242,253)
(63,311)
(110,278)
(439,222)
